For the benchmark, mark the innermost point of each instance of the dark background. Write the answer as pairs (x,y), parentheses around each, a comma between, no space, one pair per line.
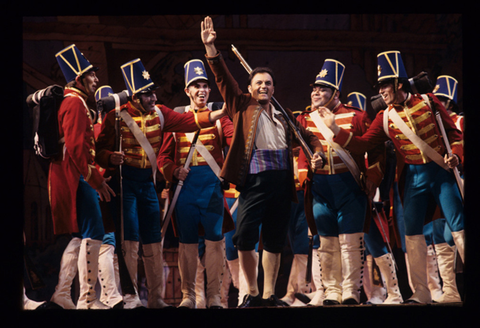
(293,45)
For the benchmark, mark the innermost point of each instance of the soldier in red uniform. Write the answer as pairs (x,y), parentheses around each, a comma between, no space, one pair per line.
(338,189)
(425,181)
(142,123)
(200,201)
(74,182)
(446,91)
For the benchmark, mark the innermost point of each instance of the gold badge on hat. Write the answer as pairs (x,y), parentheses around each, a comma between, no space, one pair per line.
(198,70)
(323,72)
(379,70)
(146,75)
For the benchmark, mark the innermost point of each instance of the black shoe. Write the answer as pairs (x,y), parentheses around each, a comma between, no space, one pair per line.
(350,301)
(273,300)
(410,301)
(53,306)
(118,306)
(251,301)
(330,302)
(303,298)
(42,306)
(215,307)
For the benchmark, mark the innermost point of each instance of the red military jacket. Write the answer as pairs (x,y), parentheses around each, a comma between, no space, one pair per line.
(458,120)
(353,120)
(150,125)
(176,146)
(76,126)
(459,123)
(175,150)
(356,122)
(419,117)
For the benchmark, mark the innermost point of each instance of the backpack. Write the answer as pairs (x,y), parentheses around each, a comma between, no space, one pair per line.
(44,105)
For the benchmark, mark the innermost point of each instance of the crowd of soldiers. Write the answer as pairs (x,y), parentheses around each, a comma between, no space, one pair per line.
(339,183)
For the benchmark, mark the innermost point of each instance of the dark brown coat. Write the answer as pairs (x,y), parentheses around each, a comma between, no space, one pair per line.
(245,111)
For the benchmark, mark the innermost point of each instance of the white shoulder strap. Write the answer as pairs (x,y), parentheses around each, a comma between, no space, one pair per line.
(417,141)
(385,115)
(142,140)
(161,117)
(385,121)
(344,155)
(427,101)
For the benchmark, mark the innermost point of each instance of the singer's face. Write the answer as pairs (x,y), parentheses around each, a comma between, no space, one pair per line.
(387,91)
(261,87)
(198,92)
(320,96)
(88,82)
(148,100)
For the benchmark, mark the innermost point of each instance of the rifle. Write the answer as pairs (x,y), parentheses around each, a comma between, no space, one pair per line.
(125,279)
(308,274)
(306,149)
(387,240)
(171,207)
(458,179)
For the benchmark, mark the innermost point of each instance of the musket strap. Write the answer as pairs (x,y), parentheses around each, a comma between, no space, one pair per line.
(200,147)
(416,140)
(344,155)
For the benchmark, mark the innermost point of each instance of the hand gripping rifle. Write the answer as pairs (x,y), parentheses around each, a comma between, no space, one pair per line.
(171,207)
(306,149)
(125,279)
(458,179)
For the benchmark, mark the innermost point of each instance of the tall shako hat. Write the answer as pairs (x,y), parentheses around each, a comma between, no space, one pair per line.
(331,74)
(446,87)
(103,91)
(357,99)
(194,70)
(73,63)
(136,77)
(390,65)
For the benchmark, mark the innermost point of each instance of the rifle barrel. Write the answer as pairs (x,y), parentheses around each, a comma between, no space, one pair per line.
(306,149)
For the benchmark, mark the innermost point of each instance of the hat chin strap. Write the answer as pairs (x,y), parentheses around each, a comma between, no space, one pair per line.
(331,98)
(138,104)
(447,104)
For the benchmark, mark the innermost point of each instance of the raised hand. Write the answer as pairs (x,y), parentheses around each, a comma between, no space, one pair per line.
(208,35)
(208,32)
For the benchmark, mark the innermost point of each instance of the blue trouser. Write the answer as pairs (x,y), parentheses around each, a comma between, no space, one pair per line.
(438,232)
(200,202)
(230,250)
(398,212)
(265,201)
(426,186)
(339,205)
(374,243)
(109,239)
(89,216)
(298,227)
(141,209)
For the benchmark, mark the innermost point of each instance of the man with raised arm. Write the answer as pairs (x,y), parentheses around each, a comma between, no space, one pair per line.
(260,164)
